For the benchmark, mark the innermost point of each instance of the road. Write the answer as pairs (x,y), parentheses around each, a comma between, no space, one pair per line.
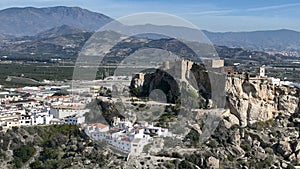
(127,100)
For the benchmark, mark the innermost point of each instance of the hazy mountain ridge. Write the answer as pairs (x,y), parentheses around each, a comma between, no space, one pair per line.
(66,42)
(29,20)
(258,40)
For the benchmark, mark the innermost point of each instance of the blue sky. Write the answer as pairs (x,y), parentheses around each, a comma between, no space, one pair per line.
(212,15)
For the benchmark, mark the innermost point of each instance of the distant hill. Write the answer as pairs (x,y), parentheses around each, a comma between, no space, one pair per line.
(6,37)
(127,47)
(66,42)
(59,31)
(62,42)
(30,21)
(258,40)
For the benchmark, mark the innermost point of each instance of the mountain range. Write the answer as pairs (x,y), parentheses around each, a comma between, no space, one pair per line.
(29,20)
(49,22)
(66,42)
(258,40)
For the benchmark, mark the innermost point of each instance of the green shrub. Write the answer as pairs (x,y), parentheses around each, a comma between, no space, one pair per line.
(36,165)
(176,155)
(23,154)
(212,143)
(269,150)
(186,165)
(246,147)
(49,153)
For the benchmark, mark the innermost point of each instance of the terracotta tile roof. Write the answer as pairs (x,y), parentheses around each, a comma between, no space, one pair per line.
(73,107)
(100,125)
(126,139)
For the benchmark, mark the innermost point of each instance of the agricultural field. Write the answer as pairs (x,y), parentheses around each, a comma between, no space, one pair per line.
(36,71)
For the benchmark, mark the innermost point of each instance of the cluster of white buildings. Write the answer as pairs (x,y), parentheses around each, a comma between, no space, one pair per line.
(29,106)
(125,136)
(284,53)
(276,81)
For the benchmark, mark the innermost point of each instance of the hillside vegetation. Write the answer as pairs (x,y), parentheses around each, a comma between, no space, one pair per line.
(55,146)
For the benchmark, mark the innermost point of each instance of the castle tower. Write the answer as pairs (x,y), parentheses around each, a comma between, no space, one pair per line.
(262,71)
(189,65)
(182,68)
(179,69)
(166,65)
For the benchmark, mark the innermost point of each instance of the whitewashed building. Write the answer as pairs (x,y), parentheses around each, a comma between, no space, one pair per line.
(152,130)
(124,136)
(275,81)
(10,123)
(37,119)
(74,119)
(64,111)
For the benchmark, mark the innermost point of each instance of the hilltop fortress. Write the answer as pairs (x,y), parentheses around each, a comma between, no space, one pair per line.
(249,97)
(183,67)
(180,69)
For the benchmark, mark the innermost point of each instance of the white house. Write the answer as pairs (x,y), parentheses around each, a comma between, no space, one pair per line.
(57,121)
(37,119)
(152,130)
(41,119)
(74,119)
(275,81)
(25,120)
(96,128)
(121,143)
(123,137)
(10,123)
(64,111)
(137,146)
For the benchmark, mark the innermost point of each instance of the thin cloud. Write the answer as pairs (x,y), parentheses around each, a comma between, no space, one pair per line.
(273,7)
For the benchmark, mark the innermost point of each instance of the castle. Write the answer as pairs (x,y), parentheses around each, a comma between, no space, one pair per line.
(182,67)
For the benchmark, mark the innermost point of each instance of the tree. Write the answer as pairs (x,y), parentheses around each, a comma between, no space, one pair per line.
(23,154)
(36,165)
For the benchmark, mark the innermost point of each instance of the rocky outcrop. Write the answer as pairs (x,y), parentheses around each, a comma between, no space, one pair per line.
(258,100)
(213,162)
(157,80)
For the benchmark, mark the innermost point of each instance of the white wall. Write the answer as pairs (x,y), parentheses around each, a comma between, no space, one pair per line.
(61,113)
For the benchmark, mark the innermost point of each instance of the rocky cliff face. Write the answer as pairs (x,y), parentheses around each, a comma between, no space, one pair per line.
(158,80)
(249,100)
(256,100)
